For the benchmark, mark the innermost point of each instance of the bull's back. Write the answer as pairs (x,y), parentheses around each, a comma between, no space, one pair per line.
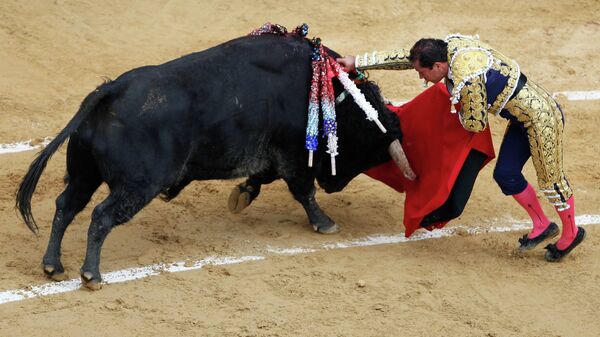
(222,110)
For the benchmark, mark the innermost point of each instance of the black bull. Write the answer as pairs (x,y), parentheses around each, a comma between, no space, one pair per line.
(235,110)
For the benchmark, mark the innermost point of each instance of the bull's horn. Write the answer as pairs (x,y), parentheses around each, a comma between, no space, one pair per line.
(397,153)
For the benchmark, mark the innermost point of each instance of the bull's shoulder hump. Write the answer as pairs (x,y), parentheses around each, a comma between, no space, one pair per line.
(247,48)
(245,45)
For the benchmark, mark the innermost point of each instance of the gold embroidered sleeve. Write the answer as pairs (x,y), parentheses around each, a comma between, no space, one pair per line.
(389,60)
(473,100)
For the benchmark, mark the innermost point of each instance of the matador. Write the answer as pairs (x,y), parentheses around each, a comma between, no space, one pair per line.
(483,81)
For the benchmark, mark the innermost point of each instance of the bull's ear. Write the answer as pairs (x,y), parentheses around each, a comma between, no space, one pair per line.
(391,123)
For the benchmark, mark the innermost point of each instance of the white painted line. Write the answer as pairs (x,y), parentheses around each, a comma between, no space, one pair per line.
(22,146)
(375,240)
(571,96)
(119,276)
(579,95)
(131,274)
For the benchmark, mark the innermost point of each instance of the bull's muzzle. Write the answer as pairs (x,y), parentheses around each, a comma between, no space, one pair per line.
(399,157)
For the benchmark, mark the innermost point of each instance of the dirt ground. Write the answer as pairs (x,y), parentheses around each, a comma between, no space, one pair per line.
(55,52)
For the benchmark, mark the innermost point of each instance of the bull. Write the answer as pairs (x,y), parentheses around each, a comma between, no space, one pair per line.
(235,110)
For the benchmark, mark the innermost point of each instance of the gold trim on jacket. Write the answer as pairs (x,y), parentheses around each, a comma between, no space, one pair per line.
(390,60)
(469,61)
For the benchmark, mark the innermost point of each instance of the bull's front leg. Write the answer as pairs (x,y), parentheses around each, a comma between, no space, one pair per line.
(318,219)
(243,194)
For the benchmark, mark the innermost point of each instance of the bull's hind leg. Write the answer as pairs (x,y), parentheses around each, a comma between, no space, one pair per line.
(119,207)
(243,194)
(68,204)
(83,181)
(304,192)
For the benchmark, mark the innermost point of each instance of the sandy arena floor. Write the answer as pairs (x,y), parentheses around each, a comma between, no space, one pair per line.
(55,52)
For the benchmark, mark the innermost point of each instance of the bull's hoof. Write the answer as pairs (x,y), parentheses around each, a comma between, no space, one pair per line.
(238,199)
(55,275)
(331,229)
(88,281)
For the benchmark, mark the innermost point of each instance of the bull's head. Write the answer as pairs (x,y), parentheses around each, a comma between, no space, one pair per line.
(362,145)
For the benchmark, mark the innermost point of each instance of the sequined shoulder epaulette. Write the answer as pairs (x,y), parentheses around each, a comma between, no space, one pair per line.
(470,58)
(467,58)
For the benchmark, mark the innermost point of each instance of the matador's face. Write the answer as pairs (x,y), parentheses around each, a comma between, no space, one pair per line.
(436,73)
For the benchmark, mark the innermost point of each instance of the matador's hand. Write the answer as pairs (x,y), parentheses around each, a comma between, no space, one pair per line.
(347,63)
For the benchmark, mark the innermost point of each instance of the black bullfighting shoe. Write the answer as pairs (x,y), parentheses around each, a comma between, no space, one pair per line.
(548,233)
(553,254)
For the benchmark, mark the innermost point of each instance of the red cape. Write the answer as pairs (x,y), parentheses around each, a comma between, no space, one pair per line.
(436,146)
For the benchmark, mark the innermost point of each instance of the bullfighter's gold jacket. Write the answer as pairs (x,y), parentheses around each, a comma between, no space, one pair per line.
(480,78)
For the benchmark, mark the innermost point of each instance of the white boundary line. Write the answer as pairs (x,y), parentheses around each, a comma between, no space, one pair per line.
(130,274)
(579,95)
(570,95)
(22,146)
(119,276)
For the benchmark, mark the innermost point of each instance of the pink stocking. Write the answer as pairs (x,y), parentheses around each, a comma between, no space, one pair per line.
(528,200)
(568,224)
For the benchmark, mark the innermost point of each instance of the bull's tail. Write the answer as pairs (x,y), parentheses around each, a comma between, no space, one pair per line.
(30,181)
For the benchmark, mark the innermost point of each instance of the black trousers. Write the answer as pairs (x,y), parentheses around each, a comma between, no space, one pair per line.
(460,193)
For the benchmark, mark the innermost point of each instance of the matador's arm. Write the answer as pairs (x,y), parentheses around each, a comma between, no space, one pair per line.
(389,60)
(467,68)
(473,101)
